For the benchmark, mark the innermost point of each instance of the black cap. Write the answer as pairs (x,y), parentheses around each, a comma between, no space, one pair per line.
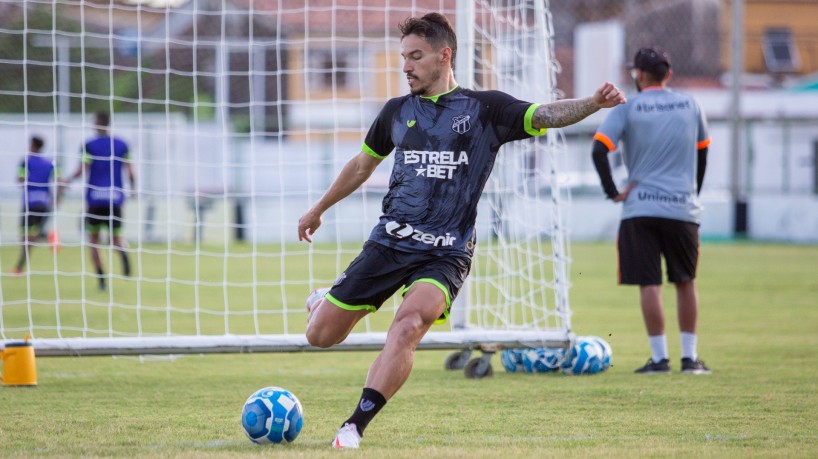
(651,60)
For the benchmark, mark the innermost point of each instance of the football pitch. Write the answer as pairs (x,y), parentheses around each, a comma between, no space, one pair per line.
(757,331)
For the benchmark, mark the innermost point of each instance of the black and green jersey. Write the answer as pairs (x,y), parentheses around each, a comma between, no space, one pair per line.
(445,148)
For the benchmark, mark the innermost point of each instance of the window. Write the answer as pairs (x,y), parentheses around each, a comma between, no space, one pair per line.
(780,53)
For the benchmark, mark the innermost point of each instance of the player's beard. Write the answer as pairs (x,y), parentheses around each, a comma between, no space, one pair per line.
(421,90)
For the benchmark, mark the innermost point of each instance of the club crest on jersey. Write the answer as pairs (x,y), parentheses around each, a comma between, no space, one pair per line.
(461,124)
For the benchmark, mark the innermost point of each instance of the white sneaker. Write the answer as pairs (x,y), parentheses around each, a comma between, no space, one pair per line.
(314,299)
(347,437)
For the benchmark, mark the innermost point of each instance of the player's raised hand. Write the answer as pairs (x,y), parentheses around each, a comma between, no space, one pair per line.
(608,96)
(307,225)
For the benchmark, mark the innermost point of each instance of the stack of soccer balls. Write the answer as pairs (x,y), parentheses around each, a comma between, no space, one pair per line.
(589,355)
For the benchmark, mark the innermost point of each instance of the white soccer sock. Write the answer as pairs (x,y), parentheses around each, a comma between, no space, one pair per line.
(689,345)
(658,346)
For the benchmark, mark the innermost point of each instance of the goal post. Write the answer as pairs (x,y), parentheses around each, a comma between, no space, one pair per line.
(237,119)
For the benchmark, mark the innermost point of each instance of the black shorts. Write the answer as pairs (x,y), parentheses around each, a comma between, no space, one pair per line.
(33,219)
(643,241)
(104,217)
(379,271)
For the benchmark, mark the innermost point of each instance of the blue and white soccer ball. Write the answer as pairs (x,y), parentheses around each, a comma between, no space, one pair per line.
(512,360)
(607,351)
(585,357)
(542,360)
(272,415)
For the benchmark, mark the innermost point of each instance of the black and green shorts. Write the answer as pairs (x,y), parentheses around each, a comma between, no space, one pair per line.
(110,218)
(380,271)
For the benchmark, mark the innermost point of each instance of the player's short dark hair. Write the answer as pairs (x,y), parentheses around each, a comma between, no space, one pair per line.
(102,118)
(434,28)
(652,60)
(37,142)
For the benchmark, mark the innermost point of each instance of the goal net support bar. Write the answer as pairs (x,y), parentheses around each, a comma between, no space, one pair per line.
(471,339)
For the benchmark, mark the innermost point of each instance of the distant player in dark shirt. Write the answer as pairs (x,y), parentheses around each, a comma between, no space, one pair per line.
(37,174)
(445,140)
(103,160)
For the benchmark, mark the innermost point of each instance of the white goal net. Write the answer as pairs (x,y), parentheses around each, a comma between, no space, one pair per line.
(238,115)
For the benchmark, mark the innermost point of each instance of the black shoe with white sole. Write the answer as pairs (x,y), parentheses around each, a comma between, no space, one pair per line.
(694,367)
(660,367)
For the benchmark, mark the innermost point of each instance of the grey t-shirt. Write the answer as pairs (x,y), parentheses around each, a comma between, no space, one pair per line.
(661,131)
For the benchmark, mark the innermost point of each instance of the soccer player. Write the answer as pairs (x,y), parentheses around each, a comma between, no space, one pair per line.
(666,141)
(445,140)
(36,173)
(103,159)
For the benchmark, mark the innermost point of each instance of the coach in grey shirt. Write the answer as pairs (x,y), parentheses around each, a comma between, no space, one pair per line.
(665,140)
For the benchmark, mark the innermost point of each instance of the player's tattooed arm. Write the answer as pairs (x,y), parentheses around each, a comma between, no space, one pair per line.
(562,113)
(565,112)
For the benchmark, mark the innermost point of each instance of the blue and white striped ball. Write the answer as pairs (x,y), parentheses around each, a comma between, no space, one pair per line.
(272,415)
(542,360)
(512,360)
(607,351)
(585,357)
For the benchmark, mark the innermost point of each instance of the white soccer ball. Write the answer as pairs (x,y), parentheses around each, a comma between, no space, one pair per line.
(272,415)
(607,351)
(585,357)
(512,360)
(542,360)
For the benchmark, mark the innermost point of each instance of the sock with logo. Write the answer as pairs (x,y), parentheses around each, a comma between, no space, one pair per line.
(371,402)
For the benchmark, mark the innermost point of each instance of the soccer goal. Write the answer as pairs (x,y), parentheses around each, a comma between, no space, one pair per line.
(237,118)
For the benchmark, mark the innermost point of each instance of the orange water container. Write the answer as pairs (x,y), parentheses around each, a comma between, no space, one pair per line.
(19,368)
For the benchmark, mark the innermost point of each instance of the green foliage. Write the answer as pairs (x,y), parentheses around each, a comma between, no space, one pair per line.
(757,332)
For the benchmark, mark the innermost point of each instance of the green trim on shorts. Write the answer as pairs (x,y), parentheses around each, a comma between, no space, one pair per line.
(96,228)
(349,307)
(441,287)
(30,230)
(529,114)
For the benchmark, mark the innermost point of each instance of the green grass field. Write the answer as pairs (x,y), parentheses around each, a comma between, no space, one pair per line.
(758,324)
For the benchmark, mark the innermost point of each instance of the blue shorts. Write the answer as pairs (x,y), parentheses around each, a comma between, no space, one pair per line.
(379,271)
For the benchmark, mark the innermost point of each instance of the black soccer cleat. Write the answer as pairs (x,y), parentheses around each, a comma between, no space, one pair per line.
(694,367)
(660,367)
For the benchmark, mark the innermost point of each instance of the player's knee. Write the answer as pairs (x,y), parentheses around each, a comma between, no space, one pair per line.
(320,337)
(409,329)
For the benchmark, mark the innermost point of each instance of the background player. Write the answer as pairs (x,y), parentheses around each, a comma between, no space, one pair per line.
(445,140)
(37,175)
(103,159)
(665,137)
